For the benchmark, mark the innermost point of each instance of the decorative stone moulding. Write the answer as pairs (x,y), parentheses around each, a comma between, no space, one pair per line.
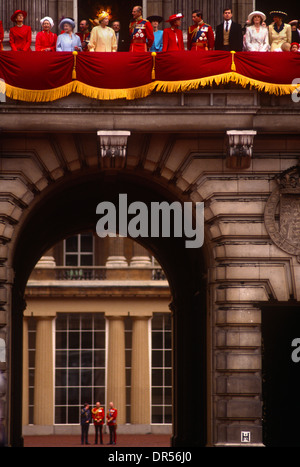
(113,148)
(240,148)
(282,212)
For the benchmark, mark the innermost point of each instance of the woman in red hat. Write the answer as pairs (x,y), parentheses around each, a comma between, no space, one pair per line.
(19,34)
(172,36)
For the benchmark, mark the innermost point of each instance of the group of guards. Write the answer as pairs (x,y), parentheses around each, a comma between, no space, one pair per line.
(143,36)
(97,416)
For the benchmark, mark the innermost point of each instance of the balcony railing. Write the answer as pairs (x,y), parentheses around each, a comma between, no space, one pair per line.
(94,273)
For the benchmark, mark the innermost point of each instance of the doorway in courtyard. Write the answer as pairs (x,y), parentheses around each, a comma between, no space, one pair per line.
(281,375)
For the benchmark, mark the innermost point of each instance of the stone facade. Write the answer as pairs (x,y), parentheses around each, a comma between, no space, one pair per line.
(178,149)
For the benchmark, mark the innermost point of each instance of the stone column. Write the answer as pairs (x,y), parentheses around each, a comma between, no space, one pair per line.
(44,381)
(140,371)
(116,258)
(116,376)
(140,258)
(25,404)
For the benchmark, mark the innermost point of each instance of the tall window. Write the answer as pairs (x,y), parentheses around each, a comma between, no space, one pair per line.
(79,364)
(79,250)
(161,371)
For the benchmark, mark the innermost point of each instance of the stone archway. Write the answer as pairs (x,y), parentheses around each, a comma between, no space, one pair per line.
(69,205)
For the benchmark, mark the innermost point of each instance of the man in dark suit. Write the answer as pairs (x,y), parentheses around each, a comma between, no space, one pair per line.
(122,38)
(229,34)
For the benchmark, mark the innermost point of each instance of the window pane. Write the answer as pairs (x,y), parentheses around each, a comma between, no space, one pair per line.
(99,377)
(74,340)
(86,395)
(99,358)
(168,340)
(168,358)
(86,241)
(157,322)
(87,322)
(60,377)
(72,244)
(60,396)
(157,414)
(73,378)
(157,340)
(86,377)
(73,396)
(73,358)
(168,396)
(86,358)
(99,340)
(72,260)
(60,415)
(157,396)
(61,340)
(168,414)
(73,414)
(157,358)
(157,377)
(86,260)
(61,358)
(86,340)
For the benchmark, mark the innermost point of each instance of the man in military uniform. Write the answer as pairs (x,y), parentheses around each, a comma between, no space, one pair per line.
(98,416)
(200,35)
(141,32)
(112,423)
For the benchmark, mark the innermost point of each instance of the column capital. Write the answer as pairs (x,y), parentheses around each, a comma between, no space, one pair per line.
(240,146)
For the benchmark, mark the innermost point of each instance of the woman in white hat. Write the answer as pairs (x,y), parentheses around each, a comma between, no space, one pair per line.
(257,35)
(68,41)
(46,40)
(279,31)
(103,38)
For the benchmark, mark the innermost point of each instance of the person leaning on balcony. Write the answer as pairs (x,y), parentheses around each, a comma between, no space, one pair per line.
(158,33)
(20,34)
(257,36)
(1,36)
(229,35)
(46,40)
(279,32)
(103,38)
(200,35)
(140,31)
(172,37)
(68,41)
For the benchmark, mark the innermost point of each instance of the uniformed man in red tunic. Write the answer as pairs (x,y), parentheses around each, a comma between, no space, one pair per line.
(141,32)
(98,416)
(200,35)
(20,35)
(112,423)
(1,36)
(172,36)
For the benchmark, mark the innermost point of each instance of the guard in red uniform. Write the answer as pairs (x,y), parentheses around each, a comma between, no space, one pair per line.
(200,35)
(46,40)
(20,35)
(1,36)
(98,416)
(112,423)
(172,36)
(141,32)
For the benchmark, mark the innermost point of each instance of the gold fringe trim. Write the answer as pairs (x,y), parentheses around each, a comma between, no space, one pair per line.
(111,94)
(140,92)
(225,78)
(47,95)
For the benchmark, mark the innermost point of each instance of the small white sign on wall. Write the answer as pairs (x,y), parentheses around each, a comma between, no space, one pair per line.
(245,437)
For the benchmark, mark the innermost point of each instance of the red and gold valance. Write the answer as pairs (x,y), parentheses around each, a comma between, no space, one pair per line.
(43,77)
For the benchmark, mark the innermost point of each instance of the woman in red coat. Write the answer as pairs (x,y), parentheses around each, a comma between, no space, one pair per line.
(1,36)
(172,36)
(46,40)
(20,35)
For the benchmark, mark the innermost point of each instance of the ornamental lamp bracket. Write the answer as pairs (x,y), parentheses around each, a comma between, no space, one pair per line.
(240,148)
(112,148)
